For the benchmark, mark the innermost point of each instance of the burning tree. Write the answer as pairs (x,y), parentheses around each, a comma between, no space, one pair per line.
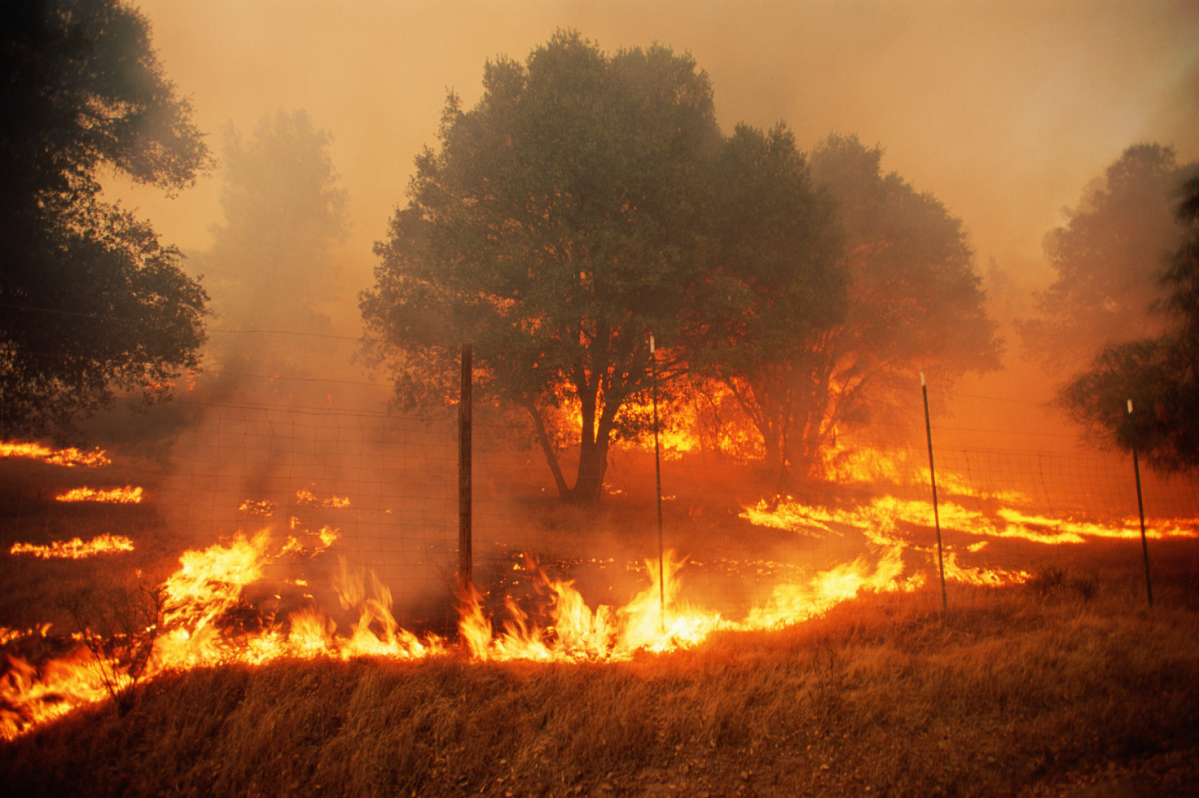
(92,300)
(558,226)
(915,303)
(776,290)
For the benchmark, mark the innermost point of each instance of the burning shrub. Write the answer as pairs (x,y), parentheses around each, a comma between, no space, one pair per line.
(118,626)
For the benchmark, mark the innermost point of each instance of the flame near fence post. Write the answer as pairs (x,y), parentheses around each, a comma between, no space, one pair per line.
(932,475)
(653,367)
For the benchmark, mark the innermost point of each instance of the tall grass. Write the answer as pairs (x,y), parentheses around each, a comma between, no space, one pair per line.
(1029,690)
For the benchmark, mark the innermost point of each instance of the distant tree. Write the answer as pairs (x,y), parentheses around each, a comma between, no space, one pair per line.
(92,301)
(915,303)
(1107,258)
(1159,374)
(271,263)
(776,289)
(556,228)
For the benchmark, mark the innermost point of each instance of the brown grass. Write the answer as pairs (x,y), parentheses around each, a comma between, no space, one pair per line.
(1022,691)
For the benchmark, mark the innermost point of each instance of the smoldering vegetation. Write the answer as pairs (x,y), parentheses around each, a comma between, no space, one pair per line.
(1043,689)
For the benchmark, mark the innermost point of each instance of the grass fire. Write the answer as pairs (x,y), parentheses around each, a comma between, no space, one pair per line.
(548,399)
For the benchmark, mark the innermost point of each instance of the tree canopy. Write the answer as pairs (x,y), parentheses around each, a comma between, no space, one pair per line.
(556,227)
(915,303)
(590,200)
(93,302)
(775,289)
(1107,258)
(1160,374)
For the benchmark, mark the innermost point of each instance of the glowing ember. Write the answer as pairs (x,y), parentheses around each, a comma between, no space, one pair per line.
(307,497)
(264,507)
(63,457)
(125,495)
(76,548)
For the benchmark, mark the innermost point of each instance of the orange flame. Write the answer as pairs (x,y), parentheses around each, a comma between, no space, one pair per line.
(307,497)
(125,495)
(264,507)
(75,548)
(64,457)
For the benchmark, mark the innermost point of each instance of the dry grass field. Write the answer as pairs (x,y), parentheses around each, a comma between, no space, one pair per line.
(1029,690)
(1067,685)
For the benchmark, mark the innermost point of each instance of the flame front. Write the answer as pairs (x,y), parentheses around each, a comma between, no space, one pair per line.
(125,495)
(70,457)
(205,609)
(76,548)
(209,585)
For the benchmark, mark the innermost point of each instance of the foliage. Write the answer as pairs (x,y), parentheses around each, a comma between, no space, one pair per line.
(1107,258)
(915,303)
(776,287)
(556,228)
(92,301)
(1159,374)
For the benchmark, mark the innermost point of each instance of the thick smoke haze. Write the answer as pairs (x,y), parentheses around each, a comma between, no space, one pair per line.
(1004,111)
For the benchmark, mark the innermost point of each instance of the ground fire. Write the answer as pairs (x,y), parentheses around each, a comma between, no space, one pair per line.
(125,495)
(215,609)
(75,548)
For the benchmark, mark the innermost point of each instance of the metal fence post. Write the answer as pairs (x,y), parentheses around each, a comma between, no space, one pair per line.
(928,428)
(464,468)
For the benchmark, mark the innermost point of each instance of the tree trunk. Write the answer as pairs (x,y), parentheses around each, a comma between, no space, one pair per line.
(593,464)
(547,448)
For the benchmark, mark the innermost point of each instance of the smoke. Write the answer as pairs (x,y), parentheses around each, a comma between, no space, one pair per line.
(1003,111)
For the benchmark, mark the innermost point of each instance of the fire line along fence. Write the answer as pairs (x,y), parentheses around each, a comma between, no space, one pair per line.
(363,491)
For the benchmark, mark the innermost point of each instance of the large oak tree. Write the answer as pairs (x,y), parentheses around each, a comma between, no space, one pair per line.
(915,302)
(556,227)
(776,289)
(92,301)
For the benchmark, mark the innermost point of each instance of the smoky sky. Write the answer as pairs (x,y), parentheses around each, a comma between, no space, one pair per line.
(1003,110)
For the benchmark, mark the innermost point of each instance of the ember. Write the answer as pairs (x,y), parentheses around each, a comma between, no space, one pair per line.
(264,507)
(307,497)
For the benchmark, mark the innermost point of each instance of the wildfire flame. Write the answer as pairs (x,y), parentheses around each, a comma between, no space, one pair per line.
(125,495)
(264,507)
(307,497)
(63,457)
(206,600)
(210,584)
(884,511)
(75,548)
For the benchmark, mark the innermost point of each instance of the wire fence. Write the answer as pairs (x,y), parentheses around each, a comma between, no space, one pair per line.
(380,491)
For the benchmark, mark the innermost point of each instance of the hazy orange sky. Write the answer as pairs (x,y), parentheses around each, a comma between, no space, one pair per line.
(1004,110)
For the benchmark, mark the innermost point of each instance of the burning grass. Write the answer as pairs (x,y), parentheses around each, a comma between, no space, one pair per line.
(75,548)
(70,457)
(125,495)
(1031,690)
